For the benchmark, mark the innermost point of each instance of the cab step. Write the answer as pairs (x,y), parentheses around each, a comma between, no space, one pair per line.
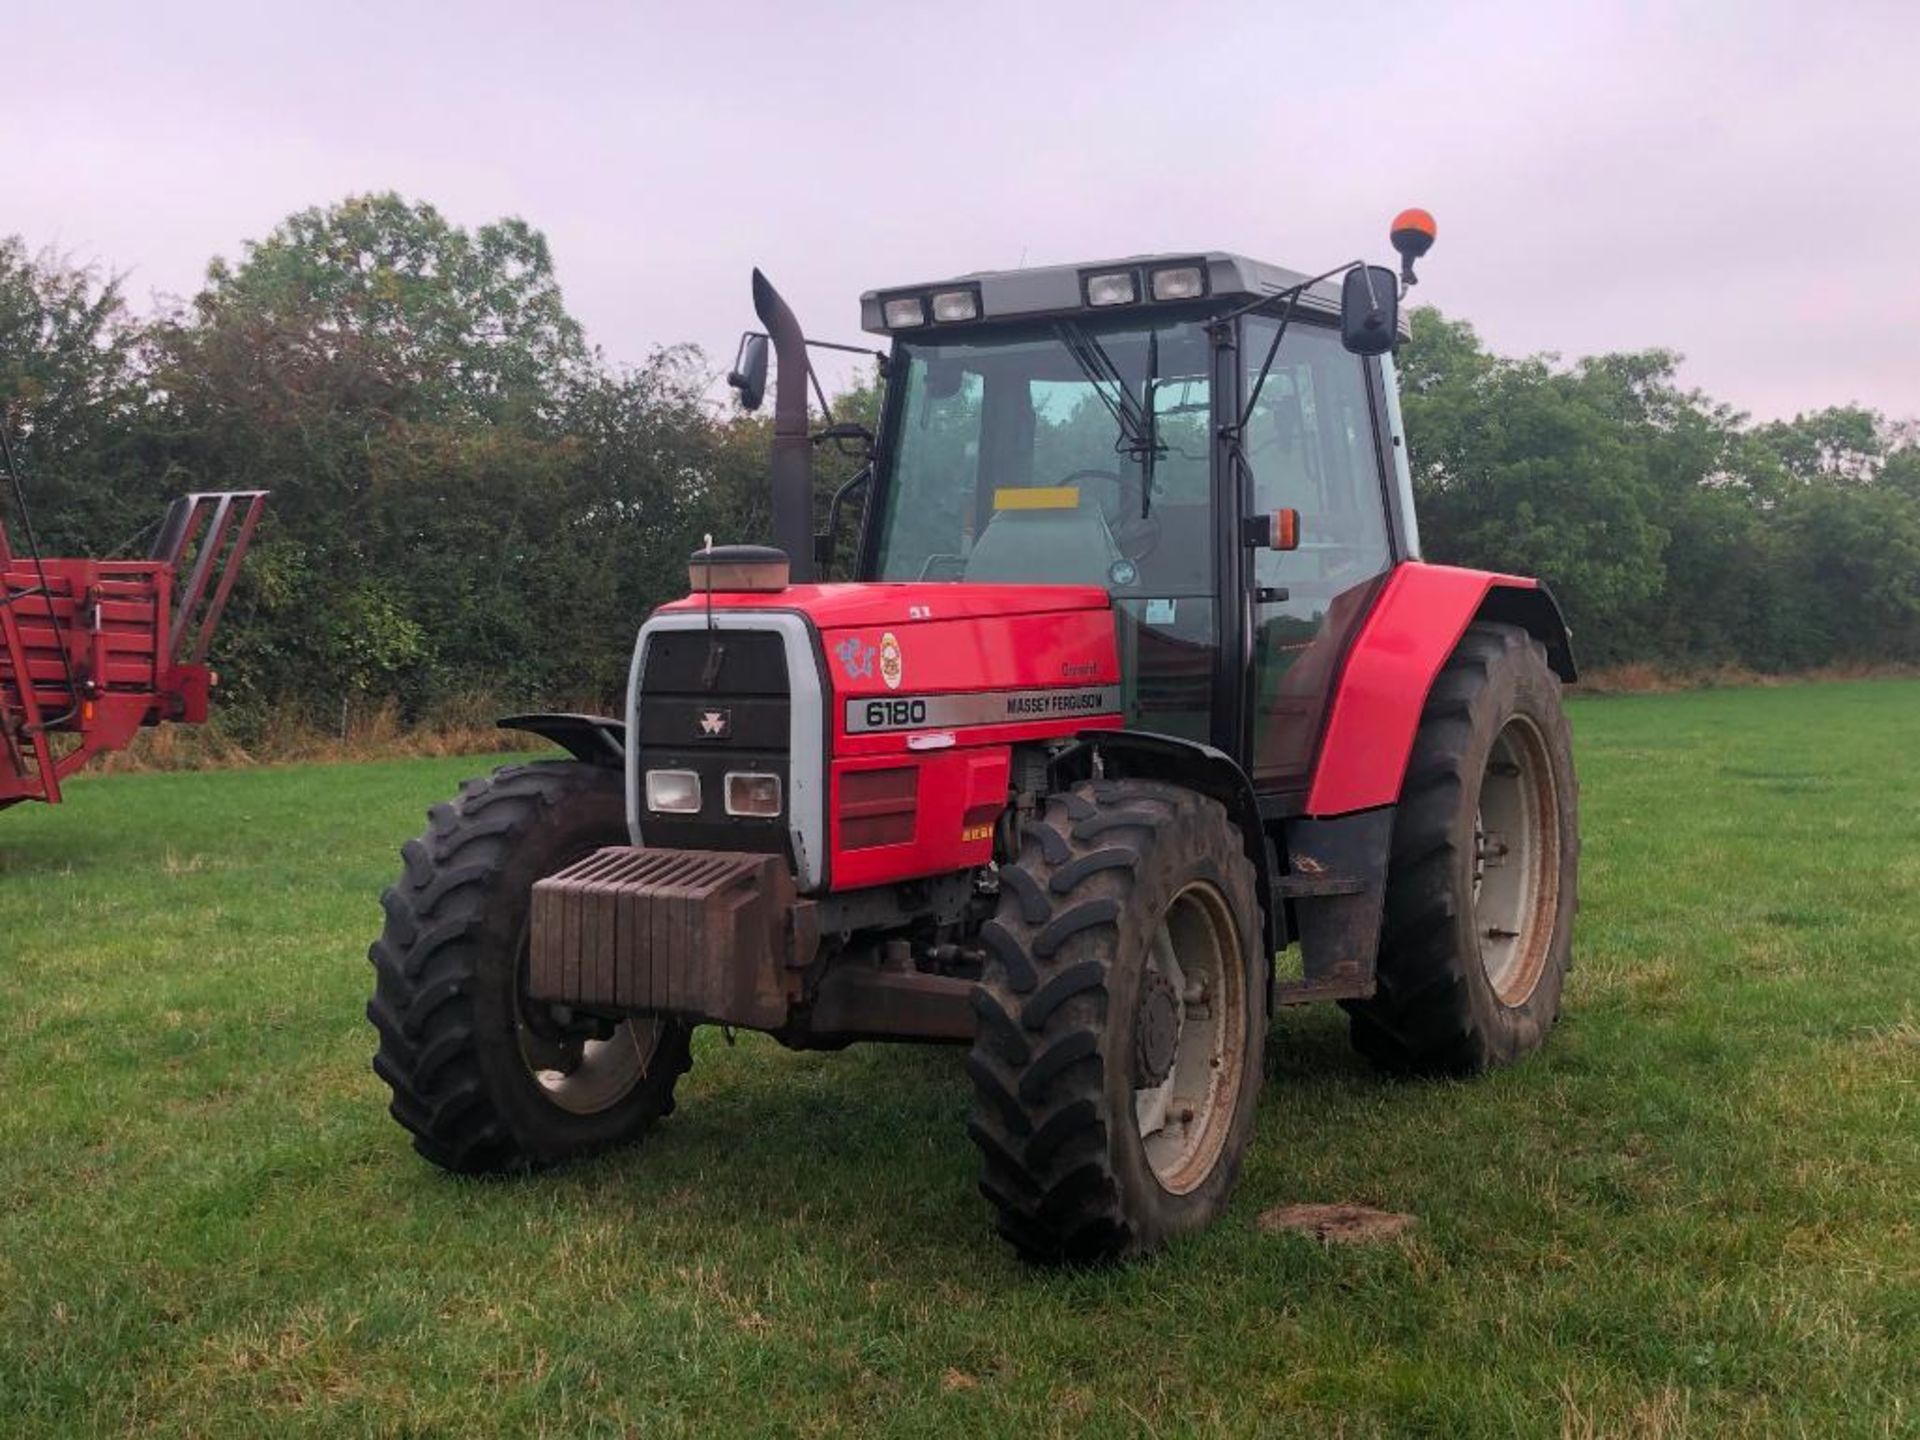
(1334,883)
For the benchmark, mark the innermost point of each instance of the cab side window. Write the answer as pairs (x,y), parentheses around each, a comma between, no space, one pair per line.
(930,519)
(1311,446)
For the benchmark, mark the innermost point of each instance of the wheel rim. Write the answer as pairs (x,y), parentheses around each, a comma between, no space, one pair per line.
(1194,955)
(580,1075)
(584,1076)
(1516,861)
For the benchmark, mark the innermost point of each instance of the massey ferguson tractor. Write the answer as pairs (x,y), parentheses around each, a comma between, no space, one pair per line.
(1138,684)
(93,650)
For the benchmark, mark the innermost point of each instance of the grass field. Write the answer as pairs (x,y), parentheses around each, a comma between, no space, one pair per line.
(1697,1212)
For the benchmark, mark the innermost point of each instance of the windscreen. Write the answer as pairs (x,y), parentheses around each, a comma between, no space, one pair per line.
(1071,452)
(1075,452)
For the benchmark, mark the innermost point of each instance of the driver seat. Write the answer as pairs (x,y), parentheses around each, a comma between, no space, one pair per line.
(1061,547)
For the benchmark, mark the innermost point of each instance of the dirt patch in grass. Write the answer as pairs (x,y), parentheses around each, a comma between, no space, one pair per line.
(1338,1224)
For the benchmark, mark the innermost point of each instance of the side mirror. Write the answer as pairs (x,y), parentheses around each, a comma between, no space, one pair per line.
(749,373)
(1369,310)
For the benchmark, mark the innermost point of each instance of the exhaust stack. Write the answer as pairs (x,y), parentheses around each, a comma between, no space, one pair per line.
(792,466)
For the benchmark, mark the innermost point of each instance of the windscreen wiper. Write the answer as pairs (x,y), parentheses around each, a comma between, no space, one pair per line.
(1139,440)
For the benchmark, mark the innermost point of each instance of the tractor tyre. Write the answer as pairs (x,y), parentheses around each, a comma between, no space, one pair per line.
(1477,936)
(1121,1019)
(486,1080)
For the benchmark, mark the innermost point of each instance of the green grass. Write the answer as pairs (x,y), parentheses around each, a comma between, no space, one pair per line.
(1694,1213)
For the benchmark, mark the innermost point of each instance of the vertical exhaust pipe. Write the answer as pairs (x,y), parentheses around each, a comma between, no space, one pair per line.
(792,468)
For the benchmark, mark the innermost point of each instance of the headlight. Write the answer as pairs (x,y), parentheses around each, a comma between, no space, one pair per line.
(1116,289)
(955,305)
(1179,282)
(673,792)
(751,793)
(904,311)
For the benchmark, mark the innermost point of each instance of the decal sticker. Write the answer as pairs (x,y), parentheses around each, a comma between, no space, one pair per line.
(971,833)
(716,724)
(890,660)
(1037,497)
(1160,612)
(992,707)
(856,658)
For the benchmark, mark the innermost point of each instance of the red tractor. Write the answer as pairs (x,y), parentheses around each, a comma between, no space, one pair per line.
(1139,682)
(92,650)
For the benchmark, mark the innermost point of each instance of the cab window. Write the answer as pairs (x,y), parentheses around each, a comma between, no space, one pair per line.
(1022,457)
(1311,446)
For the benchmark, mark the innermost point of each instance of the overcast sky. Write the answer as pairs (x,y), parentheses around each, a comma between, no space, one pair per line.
(1734,181)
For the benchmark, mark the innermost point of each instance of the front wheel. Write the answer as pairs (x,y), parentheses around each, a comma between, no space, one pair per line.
(1121,1018)
(484,1078)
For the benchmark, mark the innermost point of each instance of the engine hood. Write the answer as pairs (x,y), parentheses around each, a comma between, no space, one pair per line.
(840,607)
(921,688)
(878,639)
(885,639)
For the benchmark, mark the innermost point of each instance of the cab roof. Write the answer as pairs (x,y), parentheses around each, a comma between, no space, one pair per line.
(1061,289)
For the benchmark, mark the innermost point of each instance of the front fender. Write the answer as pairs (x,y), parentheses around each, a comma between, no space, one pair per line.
(1212,773)
(596,739)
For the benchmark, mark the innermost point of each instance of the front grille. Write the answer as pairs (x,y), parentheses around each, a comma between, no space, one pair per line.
(712,702)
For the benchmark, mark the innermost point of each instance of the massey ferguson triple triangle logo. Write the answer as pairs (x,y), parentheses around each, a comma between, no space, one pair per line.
(715,724)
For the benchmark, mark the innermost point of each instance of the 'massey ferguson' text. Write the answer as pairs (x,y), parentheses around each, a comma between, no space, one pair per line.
(1004,707)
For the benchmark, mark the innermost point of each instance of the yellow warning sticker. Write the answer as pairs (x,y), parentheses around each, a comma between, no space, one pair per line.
(1037,497)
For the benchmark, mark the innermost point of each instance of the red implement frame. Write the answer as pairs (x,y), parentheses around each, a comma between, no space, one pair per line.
(91,650)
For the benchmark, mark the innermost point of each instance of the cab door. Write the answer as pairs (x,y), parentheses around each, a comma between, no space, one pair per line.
(1313,444)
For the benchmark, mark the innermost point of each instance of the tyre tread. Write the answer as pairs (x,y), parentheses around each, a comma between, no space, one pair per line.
(1037,1066)
(428,960)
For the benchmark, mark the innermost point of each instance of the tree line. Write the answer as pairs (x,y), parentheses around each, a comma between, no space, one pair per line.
(471,505)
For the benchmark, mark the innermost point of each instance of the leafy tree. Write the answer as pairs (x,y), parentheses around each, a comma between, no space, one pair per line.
(404,311)
(70,398)
(399,383)
(1668,528)
(1842,446)
(1522,468)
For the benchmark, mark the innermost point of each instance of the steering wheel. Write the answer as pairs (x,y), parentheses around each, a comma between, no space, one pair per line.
(1134,535)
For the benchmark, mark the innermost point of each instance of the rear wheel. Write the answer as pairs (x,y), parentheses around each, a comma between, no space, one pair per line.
(1477,935)
(1121,1014)
(483,1077)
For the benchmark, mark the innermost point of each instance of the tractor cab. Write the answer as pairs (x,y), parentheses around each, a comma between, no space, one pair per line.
(1133,425)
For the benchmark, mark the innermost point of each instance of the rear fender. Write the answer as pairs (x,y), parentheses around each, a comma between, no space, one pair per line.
(1415,624)
(596,739)
(1140,755)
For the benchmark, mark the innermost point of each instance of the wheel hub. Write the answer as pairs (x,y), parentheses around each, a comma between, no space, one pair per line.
(1516,861)
(1156,1032)
(1189,1026)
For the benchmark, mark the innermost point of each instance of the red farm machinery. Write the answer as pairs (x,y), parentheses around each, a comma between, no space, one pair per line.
(92,650)
(1138,716)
